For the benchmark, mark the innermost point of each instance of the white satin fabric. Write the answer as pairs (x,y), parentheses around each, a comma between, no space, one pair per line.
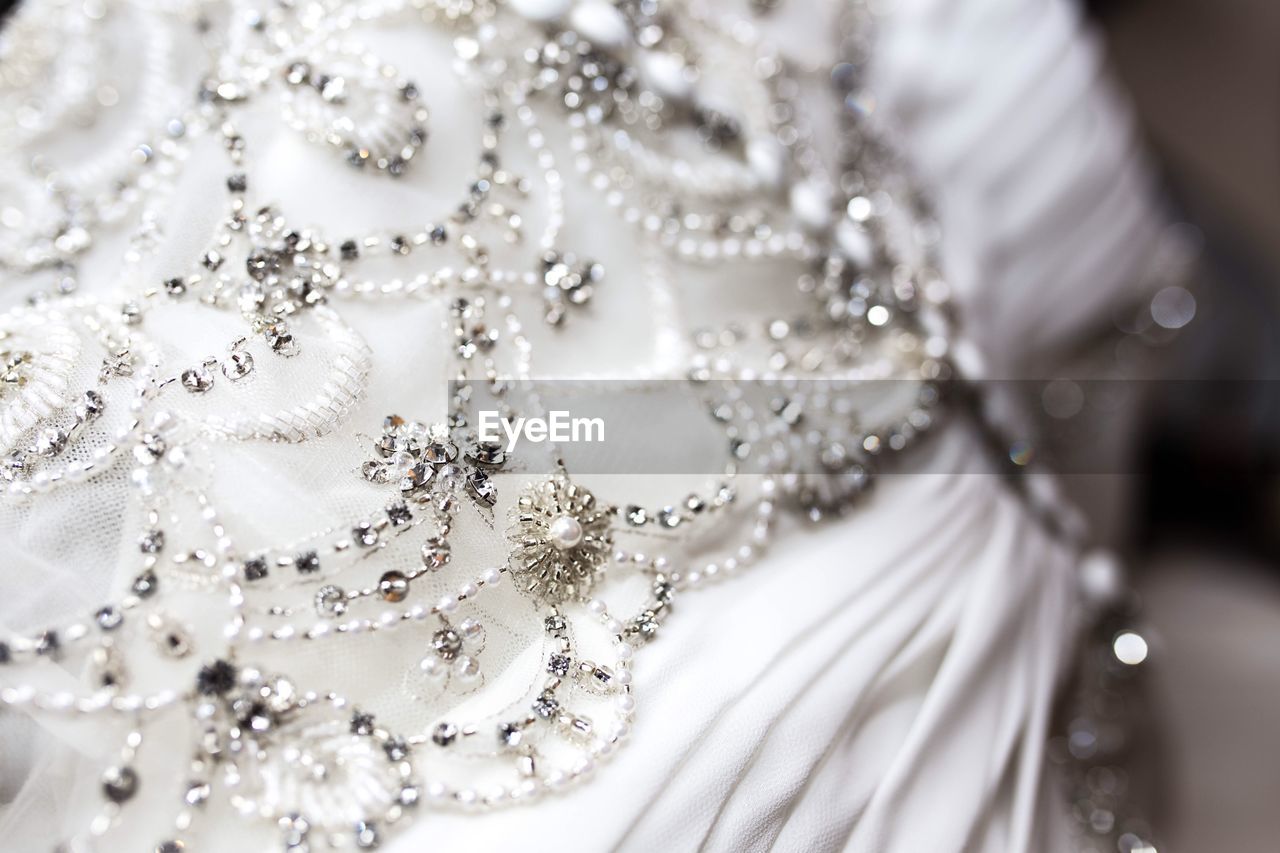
(879,683)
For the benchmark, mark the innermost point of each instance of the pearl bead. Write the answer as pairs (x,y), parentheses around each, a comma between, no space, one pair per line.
(565,532)
(968,358)
(855,244)
(1101,577)
(811,203)
(601,24)
(540,10)
(767,160)
(665,74)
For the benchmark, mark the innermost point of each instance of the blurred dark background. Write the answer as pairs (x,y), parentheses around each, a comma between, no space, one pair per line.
(1203,77)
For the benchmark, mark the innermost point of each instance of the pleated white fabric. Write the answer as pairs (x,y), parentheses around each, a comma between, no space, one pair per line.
(1049,213)
(883,684)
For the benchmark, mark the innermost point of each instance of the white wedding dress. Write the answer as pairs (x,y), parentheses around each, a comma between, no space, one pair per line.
(877,682)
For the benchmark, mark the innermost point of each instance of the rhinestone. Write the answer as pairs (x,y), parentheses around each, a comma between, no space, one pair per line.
(509,735)
(435,553)
(444,734)
(447,643)
(151,542)
(483,488)
(175,286)
(396,749)
(295,828)
(669,518)
(349,250)
(390,442)
(260,264)
(449,477)
(545,706)
(255,569)
(119,784)
(636,515)
(409,795)
(555,624)
(486,453)
(438,453)
(366,835)
(663,591)
(297,73)
(558,665)
(333,89)
(331,600)
(647,625)
(108,618)
(170,637)
(398,514)
(693,503)
(47,643)
(361,723)
(237,366)
(281,695)
(237,183)
(93,403)
(307,562)
(216,678)
(197,793)
(144,585)
(393,586)
(50,442)
(416,477)
(197,380)
(365,534)
(281,340)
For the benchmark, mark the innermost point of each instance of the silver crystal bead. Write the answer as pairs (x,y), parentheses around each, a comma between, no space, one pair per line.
(331,601)
(197,380)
